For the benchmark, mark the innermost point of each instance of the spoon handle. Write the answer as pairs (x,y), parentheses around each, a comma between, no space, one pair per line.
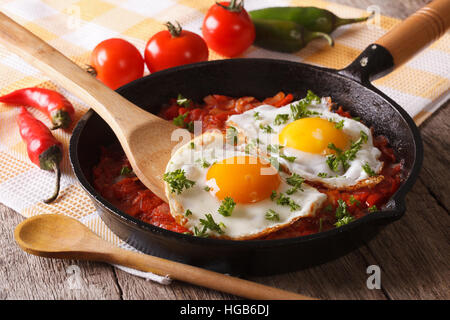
(198,276)
(118,112)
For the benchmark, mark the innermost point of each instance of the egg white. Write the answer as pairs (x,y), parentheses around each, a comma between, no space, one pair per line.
(309,165)
(247,221)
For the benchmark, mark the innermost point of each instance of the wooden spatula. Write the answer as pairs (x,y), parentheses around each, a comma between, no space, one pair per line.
(58,236)
(145,138)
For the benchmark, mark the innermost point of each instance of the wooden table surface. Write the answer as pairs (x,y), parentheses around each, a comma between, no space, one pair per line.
(413,253)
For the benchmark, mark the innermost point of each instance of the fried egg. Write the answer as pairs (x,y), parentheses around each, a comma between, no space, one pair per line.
(219,176)
(309,139)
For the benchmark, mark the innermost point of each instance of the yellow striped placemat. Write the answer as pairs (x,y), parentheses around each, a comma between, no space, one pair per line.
(75,27)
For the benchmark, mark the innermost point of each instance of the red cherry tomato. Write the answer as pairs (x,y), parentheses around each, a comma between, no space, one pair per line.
(228,29)
(116,62)
(174,47)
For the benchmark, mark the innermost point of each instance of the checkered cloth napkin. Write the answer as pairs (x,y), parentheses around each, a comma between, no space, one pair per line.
(76,27)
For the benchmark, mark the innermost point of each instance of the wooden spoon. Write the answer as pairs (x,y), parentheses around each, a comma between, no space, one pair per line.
(145,138)
(58,236)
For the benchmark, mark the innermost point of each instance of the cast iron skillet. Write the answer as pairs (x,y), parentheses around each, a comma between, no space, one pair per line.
(262,78)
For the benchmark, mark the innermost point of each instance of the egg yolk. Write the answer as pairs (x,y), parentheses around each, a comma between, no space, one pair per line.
(313,135)
(245,179)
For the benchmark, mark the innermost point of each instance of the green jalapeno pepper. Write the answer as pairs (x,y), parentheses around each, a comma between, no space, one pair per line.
(284,36)
(312,18)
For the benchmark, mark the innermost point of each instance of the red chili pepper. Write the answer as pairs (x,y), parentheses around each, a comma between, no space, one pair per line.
(42,147)
(57,108)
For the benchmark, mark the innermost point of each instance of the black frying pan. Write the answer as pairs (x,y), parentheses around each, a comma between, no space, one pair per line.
(349,87)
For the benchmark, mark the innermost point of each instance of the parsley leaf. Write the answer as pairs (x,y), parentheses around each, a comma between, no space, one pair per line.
(256,116)
(177,181)
(183,102)
(343,216)
(281,119)
(322,174)
(227,207)
(373,208)
(188,213)
(266,128)
(274,148)
(343,221)
(210,224)
(353,200)
(205,164)
(179,121)
(272,215)
(343,157)
(339,125)
(284,200)
(296,181)
(366,167)
(125,171)
(232,135)
(290,159)
(299,110)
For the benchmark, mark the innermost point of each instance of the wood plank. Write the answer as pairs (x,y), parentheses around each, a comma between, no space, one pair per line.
(24,276)
(435,173)
(414,252)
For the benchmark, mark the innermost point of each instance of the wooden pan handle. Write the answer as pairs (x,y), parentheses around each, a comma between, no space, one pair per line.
(417,31)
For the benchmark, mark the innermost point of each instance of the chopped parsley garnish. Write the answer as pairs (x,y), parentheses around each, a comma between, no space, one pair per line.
(296,181)
(343,216)
(125,171)
(356,118)
(227,207)
(210,224)
(200,232)
(339,125)
(300,110)
(343,221)
(373,208)
(281,119)
(274,148)
(322,174)
(232,136)
(284,200)
(177,181)
(353,200)
(256,116)
(290,159)
(205,164)
(366,167)
(266,128)
(273,195)
(192,145)
(206,188)
(272,215)
(179,121)
(188,213)
(183,102)
(343,157)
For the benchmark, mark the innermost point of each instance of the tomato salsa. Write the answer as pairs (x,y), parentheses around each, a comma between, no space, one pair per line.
(114,179)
